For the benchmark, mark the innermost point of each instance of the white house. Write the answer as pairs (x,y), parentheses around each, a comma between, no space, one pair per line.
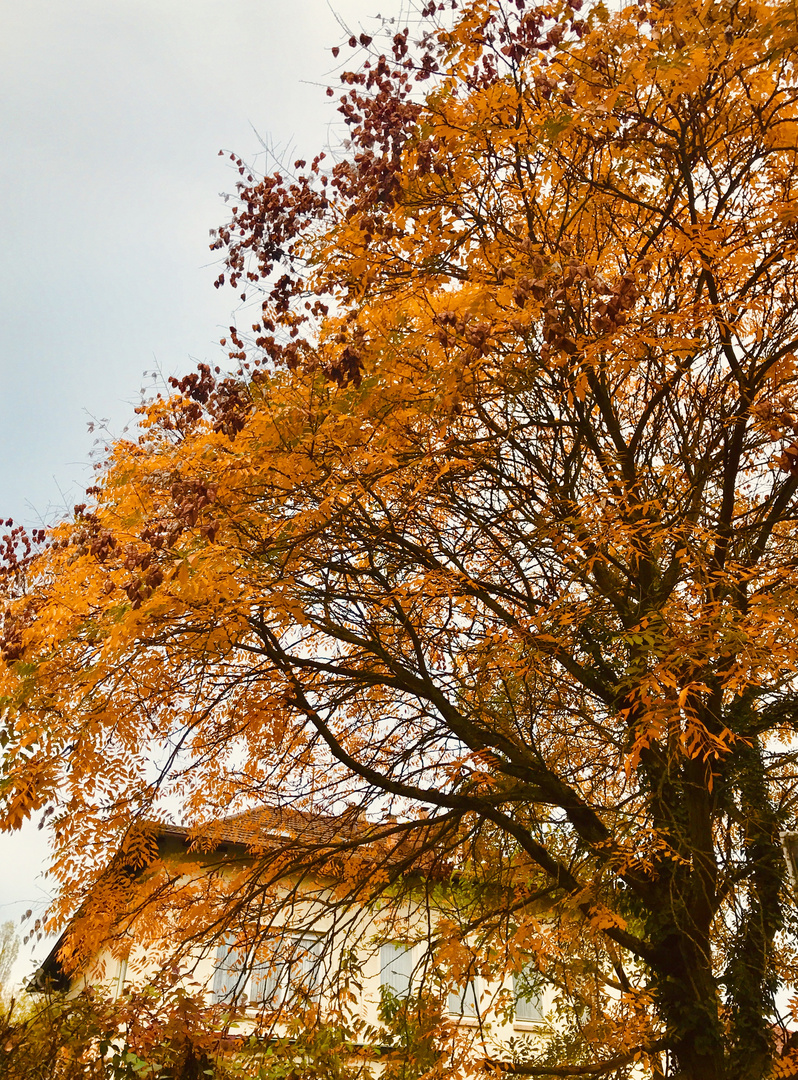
(308,950)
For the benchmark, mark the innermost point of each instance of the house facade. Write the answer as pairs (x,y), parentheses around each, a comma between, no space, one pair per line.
(308,953)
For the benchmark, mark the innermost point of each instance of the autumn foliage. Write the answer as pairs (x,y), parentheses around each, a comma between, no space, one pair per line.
(491,534)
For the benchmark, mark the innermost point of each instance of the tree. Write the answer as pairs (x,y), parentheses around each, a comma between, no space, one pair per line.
(493,533)
(139,1037)
(9,950)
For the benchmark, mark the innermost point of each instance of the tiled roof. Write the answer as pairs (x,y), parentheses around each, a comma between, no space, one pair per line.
(269,826)
(266,823)
(305,833)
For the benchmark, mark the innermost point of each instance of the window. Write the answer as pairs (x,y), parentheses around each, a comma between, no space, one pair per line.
(228,974)
(120,978)
(267,983)
(464,1000)
(527,995)
(296,968)
(396,968)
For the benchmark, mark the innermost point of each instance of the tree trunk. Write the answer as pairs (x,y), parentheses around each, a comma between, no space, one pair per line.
(688,1003)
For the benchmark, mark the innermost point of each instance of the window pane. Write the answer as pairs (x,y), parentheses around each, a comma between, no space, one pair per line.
(464,1000)
(527,997)
(396,968)
(267,983)
(228,976)
(309,950)
(297,968)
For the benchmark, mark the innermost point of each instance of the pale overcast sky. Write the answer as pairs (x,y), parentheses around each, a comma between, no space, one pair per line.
(113,114)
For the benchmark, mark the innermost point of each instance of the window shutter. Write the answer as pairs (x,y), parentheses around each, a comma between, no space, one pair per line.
(396,968)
